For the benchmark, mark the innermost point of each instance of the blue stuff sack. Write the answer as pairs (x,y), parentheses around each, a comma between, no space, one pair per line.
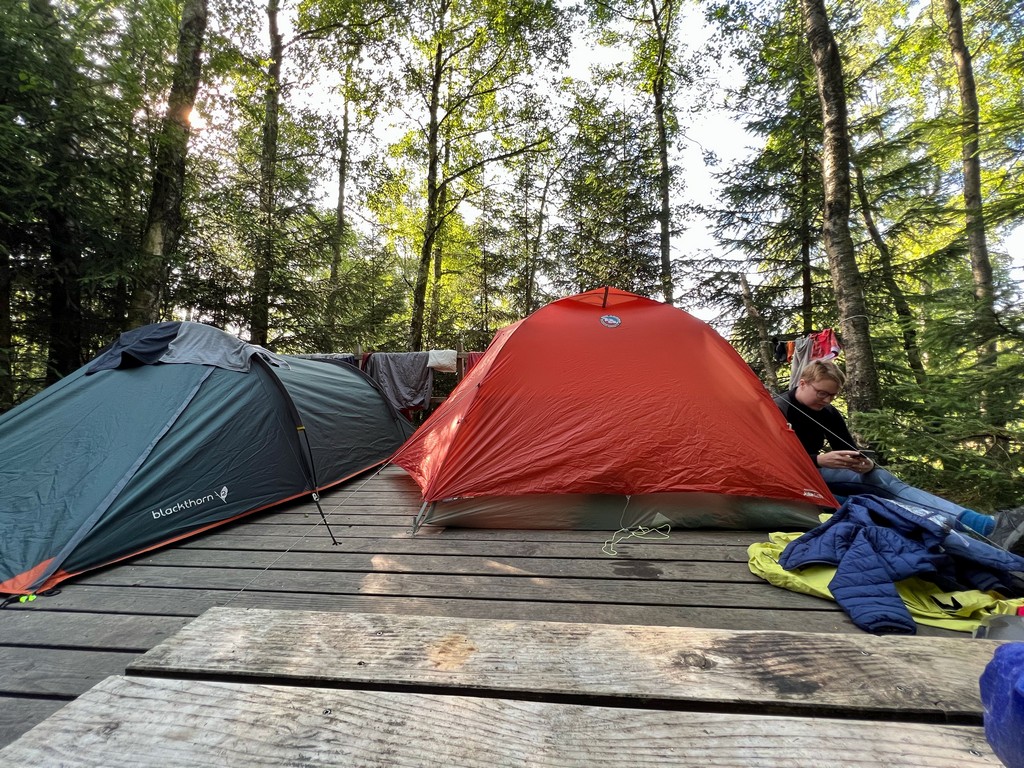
(1002,696)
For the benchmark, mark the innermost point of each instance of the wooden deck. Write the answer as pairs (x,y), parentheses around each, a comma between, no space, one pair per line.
(57,648)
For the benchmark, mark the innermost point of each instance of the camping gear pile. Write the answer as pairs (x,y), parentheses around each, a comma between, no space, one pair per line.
(875,543)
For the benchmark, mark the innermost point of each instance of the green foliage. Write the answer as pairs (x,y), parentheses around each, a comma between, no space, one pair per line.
(543,185)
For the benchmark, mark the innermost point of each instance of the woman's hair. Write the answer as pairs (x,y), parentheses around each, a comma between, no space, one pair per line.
(823,369)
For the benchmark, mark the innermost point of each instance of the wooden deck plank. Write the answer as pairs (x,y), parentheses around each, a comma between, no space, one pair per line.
(498,587)
(51,629)
(192,601)
(18,715)
(547,567)
(194,724)
(281,525)
(736,553)
(50,672)
(779,672)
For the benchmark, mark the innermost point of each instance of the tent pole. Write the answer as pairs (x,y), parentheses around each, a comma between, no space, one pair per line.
(418,521)
(316,498)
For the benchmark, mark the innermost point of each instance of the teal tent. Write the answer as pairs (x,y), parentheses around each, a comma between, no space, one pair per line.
(177,427)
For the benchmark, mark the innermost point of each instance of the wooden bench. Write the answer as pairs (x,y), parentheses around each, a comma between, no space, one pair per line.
(254,687)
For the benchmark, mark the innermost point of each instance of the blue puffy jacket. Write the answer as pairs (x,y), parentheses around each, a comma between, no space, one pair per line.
(875,542)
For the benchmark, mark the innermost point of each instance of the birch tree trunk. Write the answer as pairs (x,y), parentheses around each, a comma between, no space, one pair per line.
(163,220)
(862,378)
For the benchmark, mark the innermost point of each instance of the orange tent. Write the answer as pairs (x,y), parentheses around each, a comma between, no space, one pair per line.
(607,409)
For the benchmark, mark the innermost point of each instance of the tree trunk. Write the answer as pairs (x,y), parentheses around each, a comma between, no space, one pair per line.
(986,320)
(536,243)
(662,18)
(907,321)
(6,332)
(863,393)
(981,265)
(435,296)
(806,271)
(163,221)
(259,318)
(65,296)
(432,216)
(63,279)
(764,342)
(340,226)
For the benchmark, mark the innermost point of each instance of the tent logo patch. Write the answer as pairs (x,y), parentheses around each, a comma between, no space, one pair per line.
(611,321)
(222,494)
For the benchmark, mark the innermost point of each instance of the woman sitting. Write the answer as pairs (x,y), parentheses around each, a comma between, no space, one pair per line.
(845,468)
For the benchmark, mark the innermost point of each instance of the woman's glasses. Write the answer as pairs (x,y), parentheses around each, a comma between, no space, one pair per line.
(823,394)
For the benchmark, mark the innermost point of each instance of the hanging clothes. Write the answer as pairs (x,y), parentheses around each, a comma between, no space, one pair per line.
(405,377)
(826,345)
(820,345)
(780,351)
(442,360)
(801,357)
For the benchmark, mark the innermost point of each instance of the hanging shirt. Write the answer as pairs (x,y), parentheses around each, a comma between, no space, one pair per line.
(801,357)
(825,345)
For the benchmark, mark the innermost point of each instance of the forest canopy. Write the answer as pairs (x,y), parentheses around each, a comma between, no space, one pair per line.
(334,175)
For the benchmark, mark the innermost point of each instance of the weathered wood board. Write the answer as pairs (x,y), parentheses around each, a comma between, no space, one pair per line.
(817,615)
(19,714)
(495,565)
(54,629)
(56,672)
(755,594)
(128,722)
(239,538)
(782,672)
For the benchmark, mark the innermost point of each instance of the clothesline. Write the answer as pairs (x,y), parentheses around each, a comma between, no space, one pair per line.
(805,349)
(406,378)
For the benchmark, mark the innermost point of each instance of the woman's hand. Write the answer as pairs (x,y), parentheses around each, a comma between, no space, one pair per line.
(845,460)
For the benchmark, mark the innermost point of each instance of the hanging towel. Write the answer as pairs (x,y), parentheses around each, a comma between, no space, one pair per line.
(443,360)
(472,358)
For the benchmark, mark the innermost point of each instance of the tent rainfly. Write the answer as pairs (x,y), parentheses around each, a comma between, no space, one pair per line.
(607,410)
(176,428)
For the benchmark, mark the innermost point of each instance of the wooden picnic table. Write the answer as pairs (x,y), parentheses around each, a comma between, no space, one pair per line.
(257,687)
